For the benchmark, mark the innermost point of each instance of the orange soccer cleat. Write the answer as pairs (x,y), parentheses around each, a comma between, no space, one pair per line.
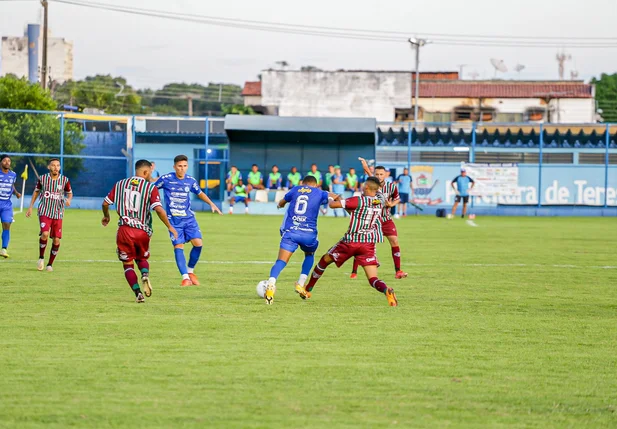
(391,296)
(186,282)
(302,292)
(353,276)
(194,279)
(401,275)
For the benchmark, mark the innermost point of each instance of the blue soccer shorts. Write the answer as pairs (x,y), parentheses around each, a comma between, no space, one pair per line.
(308,243)
(186,232)
(6,211)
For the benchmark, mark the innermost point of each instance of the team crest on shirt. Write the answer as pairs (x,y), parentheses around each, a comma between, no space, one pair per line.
(305,191)
(59,187)
(186,189)
(135,182)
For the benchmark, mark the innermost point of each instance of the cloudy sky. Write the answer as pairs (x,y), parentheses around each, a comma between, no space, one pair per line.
(152,51)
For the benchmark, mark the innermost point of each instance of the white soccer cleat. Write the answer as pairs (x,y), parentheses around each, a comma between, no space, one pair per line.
(4,253)
(246,210)
(49,268)
(40,265)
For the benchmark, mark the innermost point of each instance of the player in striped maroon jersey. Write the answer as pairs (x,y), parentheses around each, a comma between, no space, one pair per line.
(359,241)
(134,199)
(390,192)
(52,188)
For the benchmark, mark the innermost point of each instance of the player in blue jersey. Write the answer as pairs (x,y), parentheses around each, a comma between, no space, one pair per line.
(177,188)
(7,189)
(299,229)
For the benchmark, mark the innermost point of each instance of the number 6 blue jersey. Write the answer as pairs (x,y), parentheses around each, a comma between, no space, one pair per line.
(304,204)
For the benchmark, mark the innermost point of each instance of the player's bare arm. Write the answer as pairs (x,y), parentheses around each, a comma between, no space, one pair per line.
(202,196)
(338,204)
(163,217)
(335,197)
(69,198)
(281,203)
(393,203)
(15,192)
(105,220)
(365,166)
(35,195)
(454,187)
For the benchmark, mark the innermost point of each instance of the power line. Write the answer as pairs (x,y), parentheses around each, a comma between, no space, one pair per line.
(359,34)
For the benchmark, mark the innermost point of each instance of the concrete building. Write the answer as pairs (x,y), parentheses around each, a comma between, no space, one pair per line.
(22,56)
(389,96)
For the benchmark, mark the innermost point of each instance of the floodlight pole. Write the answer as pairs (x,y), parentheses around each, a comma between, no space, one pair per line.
(45,30)
(417,44)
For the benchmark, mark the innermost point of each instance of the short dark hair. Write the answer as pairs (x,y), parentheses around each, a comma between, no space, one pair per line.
(179,158)
(380,167)
(309,180)
(314,165)
(375,181)
(52,160)
(274,166)
(142,163)
(254,165)
(4,156)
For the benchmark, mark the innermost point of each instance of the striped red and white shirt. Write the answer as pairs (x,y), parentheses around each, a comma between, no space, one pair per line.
(52,193)
(364,224)
(389,190)
(134,198)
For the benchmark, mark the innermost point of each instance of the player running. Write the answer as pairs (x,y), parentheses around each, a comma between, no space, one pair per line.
(390,193)
(177,188)
(7,189)
(299,229)
(134,198)
(52,187)
(359,241)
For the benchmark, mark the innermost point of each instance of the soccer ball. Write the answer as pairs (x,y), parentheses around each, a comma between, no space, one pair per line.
(261,288)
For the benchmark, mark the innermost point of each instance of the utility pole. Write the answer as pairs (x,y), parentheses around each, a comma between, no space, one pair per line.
(44,3)
(417,44)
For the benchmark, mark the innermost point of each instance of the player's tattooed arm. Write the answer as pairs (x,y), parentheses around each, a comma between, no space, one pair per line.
(163,217)
(367,170)
(16,192)
(202,196)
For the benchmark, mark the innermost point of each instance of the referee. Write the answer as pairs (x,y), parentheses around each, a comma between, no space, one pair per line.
(462,189)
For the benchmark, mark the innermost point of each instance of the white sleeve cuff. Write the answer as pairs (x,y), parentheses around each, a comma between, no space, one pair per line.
(155,205)
(343,203)
(108,201)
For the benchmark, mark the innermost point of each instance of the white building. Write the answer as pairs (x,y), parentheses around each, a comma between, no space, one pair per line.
(14,57)
(389,96)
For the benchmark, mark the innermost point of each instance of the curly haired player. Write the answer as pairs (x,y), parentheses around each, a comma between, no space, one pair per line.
(359,241)
(390,193)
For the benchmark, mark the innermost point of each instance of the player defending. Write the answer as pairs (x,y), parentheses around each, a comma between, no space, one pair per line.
(390,193)
(299,229)
(53,187)
(359,241)
(177,188)
(7,189)
(134,198)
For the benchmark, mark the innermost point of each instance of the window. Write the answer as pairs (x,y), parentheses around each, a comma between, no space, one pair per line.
(437,117)
(596,158)
(463,113)
(524,157)
(535,114)
(510,117)
(487,115)
(406,115)
(444,156)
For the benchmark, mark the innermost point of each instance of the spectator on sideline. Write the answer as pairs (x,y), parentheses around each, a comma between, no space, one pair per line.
(155,172)
(275,179)
(294,178)
(316,174)
(327,184)
(255,179)
(338,186)
(462,189)
(351,180)
(405,191)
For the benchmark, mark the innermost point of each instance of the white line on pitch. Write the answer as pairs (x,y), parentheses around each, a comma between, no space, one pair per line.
(115,261)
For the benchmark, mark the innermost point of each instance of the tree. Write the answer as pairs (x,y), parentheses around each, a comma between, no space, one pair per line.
(606,96)
(35,132)
(238,109)
(110,94)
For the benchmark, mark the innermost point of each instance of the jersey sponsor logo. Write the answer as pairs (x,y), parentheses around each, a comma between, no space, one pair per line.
(122,255)
(179,194)
(305,190)
(132,222)
(372,259)
(299,218)
(178,200)
(53,195)
(179,213)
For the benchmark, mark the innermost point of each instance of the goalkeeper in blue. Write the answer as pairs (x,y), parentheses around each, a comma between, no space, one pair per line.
(299,229)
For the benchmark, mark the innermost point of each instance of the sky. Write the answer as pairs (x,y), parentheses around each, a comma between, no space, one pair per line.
(150,51)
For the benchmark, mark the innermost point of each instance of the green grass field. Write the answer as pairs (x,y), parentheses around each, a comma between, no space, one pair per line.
(512,323)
